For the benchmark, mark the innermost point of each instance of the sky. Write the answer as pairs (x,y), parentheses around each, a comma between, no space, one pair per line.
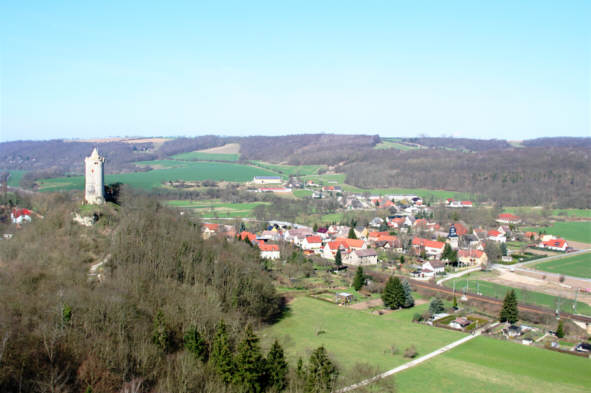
(503,69)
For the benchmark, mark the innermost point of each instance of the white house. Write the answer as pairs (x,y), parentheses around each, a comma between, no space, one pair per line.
(361,258)
(554,244)
(496,236)
(269,251)
(436,267)
(312,243)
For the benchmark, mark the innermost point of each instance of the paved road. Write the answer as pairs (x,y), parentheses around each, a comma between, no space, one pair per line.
(551,258)
(413,363)
(460,274)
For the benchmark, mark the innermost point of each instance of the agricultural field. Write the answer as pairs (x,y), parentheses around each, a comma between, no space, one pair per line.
(288,170)
(190,171)
(576,265)
(488,365)
(498,291)
(387,144)
(578,213)
(217,208)
(202,156)
(578,231)
(353,336)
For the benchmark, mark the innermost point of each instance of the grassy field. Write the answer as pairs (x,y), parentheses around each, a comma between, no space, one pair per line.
(578,231)
(202,156)
(15,177)
(287,170)
(496,290)
(352,336)
(155,178)
(580,213)
(217,208)
(488,365)
(394,145)
(577,265)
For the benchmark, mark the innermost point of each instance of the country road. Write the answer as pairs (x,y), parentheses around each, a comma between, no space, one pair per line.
(413,363)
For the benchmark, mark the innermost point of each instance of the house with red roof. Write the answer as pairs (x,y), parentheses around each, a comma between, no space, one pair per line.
(432,248)
(312,243)
(496,236)
(555,245)
(353,244)
(269,251)
(472,257)
(508,218)
(247,235)
(331,248)
(208,230)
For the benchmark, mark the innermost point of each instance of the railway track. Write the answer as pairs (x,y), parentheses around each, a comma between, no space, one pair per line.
(488,299)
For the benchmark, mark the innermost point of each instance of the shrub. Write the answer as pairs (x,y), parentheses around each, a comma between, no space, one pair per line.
(410,352)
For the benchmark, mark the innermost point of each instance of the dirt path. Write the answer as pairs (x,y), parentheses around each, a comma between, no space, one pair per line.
(378,303)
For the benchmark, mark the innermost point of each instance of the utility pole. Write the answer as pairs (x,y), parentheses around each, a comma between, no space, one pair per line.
(575,303)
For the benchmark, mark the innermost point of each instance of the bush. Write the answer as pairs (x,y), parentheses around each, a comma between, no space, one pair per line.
(410,352)
(417,317)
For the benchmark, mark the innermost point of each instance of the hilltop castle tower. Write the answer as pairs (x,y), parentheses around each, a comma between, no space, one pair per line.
(94,188)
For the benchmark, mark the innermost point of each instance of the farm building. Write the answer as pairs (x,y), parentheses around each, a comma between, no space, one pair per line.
(266,180)
(508,218)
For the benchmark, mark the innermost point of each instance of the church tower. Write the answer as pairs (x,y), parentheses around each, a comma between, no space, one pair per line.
(453,237)
(94,188)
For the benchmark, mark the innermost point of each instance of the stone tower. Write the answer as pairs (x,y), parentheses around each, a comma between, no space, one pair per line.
(94,188)
(453,237)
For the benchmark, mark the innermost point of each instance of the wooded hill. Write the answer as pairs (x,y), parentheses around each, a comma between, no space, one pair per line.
(544,171)
(163,294)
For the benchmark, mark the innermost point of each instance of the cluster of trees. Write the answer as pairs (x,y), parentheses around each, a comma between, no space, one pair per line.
(527,176)
(152,317)
(397,294)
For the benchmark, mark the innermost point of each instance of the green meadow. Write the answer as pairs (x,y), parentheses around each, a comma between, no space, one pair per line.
(488,365)
(537,298)
(353,336)
(394,145)
(190,171)
(15,177)
(579,213)
(576,265)
(217,208)
(578,231)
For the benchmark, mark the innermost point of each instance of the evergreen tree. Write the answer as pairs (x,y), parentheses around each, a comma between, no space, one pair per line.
(393,295)
(195,344)
(338,259)
(315,227)
(300,370)
(409,301)
(509,312)
(250,364)
(446,251)
(455,303)
(352,233)
(221,353)
(359,279)
(560,330)
(276,368)
(161,335)
(322,373)
(383,227)
(436,306)
(402,259)
(503,249)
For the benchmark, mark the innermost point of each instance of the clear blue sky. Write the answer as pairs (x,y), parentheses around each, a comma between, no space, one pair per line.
(468,69)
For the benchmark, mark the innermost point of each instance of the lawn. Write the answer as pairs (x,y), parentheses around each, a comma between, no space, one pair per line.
(217,208)
(580,213)
(498,291)
(352,336)
(488,365)
(147,180)
(578,231)
(576,265)
(203,156)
